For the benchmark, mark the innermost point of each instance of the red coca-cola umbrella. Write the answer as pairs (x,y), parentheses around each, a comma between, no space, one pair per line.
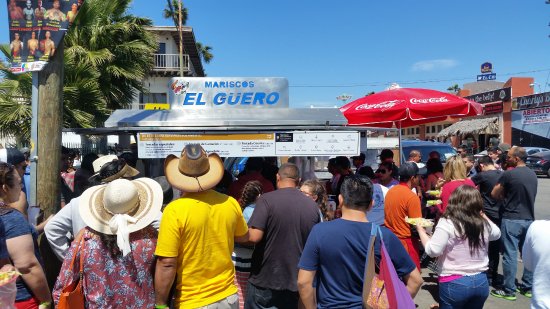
(406,107)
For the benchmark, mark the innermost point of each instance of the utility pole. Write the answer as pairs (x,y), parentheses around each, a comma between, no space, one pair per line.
(180,31)
(50,111)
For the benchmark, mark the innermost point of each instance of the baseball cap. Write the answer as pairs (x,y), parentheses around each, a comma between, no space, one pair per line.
(410,169)
(361,156)
(504,147)
(12,156)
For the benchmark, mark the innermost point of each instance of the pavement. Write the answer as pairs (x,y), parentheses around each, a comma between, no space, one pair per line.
(428,294)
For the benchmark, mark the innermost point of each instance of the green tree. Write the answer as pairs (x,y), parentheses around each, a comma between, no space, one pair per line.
(114,43)
(171,12)
(107,55)
(454,89)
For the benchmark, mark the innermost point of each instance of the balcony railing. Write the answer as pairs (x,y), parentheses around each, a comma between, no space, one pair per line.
(170,62)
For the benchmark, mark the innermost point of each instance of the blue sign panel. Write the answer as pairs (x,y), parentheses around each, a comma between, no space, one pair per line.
(486,67)
(228,92)
(482,77)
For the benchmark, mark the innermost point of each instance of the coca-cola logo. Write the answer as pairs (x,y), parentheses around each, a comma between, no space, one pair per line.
(381,105)
(429,100)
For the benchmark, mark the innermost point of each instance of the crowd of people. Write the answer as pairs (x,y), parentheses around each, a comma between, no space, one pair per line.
(199,237)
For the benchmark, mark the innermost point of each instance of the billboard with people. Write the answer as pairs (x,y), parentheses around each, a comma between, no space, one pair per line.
(36,28)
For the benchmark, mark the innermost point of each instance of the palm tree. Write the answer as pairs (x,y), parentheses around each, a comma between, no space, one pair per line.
(205,52)
(15,102)
(171,12)
(116,44)
(108,54)
(454,89)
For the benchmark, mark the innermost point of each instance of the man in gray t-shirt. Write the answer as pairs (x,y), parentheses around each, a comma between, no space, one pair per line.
(518,189)
(279,227)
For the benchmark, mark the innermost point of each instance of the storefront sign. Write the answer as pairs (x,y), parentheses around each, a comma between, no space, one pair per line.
(36,28)
(296,143)
(486,67)
(491,76)
(536,115)
(493,108)
(503,94)
(532,101)
(228,92)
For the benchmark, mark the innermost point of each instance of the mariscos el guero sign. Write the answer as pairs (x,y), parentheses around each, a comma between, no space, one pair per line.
(36,28)
(227,92)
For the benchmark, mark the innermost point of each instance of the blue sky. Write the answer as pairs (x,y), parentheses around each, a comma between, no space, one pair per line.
(327,48)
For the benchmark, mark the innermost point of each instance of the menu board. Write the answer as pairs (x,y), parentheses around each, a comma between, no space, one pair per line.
(320,143)
(296,143)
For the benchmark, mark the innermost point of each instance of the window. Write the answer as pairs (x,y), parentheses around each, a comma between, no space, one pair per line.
(439,128)
(153,97)
(417,130)
(402,131)
(162,48)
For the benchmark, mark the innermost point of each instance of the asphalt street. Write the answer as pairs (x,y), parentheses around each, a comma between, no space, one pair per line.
(428,292)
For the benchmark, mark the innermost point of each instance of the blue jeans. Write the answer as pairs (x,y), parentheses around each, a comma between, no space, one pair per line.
(466,292)
(513,236)
(262,298)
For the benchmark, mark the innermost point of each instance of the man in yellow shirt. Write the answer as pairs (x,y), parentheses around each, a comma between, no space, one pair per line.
(197,235)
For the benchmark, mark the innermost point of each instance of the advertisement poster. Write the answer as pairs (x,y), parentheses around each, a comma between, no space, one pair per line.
(36,28)
(294,143)
(536,115)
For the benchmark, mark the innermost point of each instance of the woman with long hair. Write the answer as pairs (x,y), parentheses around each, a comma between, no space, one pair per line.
(461,241)
(454,174)
(22,245)
(242,255)
(315,190)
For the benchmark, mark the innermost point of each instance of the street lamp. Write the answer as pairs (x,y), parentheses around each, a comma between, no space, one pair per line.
(344,98)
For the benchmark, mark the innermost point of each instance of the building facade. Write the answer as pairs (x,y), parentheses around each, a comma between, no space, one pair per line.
(167,65)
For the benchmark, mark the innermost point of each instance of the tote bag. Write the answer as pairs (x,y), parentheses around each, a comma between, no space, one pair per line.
(384,290)
(72,295)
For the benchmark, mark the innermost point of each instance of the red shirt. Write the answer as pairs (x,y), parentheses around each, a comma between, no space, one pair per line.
(236,188)
(448,188)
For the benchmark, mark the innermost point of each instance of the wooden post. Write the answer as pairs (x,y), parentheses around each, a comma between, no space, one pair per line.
(180,30)
(50,120)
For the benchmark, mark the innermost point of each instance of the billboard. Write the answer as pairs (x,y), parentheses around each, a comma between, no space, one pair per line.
(227,92)
(36,28)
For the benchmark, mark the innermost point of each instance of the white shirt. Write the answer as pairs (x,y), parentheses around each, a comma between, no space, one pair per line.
(65,225)
(454,252)
(536,258)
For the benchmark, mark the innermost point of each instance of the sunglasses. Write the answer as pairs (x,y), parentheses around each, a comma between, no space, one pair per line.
(380,172)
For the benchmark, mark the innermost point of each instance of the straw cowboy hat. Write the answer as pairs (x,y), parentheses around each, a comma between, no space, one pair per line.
(109,168)
(121,207)
(194,171)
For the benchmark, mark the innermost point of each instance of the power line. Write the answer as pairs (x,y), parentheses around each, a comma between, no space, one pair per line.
(410,82)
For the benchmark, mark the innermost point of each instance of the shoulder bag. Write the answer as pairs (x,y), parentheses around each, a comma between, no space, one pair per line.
(384,290)
(72,295)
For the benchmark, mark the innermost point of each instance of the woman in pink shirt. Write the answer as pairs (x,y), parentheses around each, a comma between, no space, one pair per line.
(454,174)
(461,241)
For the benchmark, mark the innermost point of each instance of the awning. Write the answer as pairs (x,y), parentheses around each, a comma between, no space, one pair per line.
(485,125)
(209,120)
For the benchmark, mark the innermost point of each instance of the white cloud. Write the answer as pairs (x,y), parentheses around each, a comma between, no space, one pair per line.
(435,64)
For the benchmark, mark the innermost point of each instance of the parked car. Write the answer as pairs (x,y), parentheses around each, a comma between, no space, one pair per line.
(539,163)
(533,150)
(425,147)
